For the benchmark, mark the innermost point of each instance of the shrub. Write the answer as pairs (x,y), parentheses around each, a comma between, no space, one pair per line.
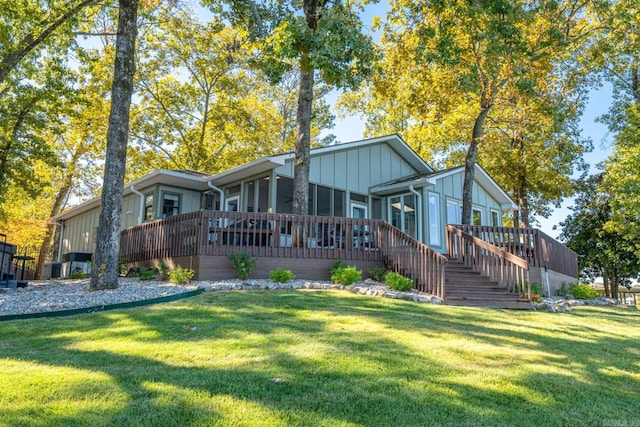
(243,264)
(377,274)
(280,275)
(181,276)
(346,275)
(536,292)
(536,288)
(398,282)
(163,271)
(582,291)
(79,274)
(122,266)
(147,273)
(339,264)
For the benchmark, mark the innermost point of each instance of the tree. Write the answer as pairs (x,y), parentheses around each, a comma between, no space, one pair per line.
(617,53)
(601,252)
(105,266)
(448,66)
(316,35)
(535,148)
(24,29)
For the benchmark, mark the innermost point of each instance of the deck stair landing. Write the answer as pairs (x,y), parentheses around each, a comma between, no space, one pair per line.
(465,287)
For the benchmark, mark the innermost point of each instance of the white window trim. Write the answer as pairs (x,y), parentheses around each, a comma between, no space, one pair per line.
(361,206)
(482,213)
(458,206)
(499,217)
(434,238)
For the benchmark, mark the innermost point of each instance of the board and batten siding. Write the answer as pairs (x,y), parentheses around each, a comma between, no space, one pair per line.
(356,169)
(450,188)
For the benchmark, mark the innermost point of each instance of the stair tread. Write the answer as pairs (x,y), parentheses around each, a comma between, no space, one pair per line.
(466,287)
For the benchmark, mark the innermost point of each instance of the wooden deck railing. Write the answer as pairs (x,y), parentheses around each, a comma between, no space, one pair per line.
(219,233)
(531,244)
(409,257)
(509,270)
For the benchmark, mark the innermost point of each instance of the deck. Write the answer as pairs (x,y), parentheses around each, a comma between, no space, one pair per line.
(309,245)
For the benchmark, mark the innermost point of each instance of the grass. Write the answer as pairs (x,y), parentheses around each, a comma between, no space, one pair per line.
(319,358)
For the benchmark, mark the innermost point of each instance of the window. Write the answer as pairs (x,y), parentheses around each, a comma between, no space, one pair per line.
(495,218)
(311,207)
(359,198)
(284,201)
(148,207)
(250,196)
(453,212)
(402,213)
(434,219)
(263,195)
(477,217)
(170,205)
(358,210)
(376,208)
(324,201)
(232,204)
(210,201)
(338,203)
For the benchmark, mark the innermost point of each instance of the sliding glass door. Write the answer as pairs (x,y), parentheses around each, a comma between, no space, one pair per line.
(402,213)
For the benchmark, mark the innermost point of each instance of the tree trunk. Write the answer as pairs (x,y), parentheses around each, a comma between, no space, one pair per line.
(105,264)
(303,145)
(469,164)
(302,156)
(615,283)
(605,282)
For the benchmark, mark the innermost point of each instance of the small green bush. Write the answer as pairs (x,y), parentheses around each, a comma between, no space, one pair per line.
(398,282)
(147,273)
(346,275)
(181,276)
(78,275)
(163,271)
(243,264)
(280,275)
(377,274)
(339,264)
(122,266)
(536,288)
(582,291)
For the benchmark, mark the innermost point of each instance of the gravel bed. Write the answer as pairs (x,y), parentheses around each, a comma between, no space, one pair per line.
(56,295)
(45,296)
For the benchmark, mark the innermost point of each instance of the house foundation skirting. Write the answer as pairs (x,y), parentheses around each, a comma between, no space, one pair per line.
(556,279)
(219,268)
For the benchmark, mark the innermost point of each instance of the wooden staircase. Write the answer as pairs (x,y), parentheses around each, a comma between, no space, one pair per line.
(465,287)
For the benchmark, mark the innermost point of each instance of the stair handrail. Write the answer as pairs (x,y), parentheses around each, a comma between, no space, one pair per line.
(407,256)
(507,269)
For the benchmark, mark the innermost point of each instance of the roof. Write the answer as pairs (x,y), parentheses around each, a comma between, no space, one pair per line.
(270,162)
(186,179)
(199,181)
(424,180)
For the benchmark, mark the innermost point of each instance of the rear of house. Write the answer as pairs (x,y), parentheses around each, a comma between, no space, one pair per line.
(380,178)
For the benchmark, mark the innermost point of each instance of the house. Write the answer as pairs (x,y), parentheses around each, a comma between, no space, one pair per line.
(373,179)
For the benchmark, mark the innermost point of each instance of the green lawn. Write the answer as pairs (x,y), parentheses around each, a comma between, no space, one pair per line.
(320,358)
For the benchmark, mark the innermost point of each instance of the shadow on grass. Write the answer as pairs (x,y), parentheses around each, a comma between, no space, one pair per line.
(323,358)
